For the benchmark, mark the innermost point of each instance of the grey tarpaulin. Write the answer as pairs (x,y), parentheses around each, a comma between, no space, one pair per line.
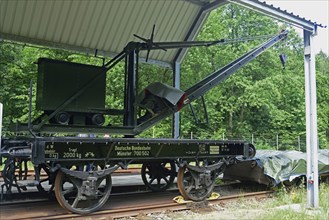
(272,167)
(287,165)
(171,94)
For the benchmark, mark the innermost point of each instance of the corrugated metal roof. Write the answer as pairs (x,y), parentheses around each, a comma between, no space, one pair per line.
(278,9)
(278,13)
(108,25)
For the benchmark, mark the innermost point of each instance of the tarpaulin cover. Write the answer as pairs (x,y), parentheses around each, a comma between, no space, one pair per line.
(287,165)
(162,90)
(271,167)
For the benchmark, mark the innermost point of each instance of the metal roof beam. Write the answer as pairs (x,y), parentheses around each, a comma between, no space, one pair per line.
(197,24)
(197,2)
(276,13)
(262,7)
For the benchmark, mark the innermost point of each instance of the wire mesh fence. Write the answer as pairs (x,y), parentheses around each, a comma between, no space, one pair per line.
(274,141)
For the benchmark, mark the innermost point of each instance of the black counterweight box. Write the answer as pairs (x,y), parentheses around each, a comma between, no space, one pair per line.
(58,81)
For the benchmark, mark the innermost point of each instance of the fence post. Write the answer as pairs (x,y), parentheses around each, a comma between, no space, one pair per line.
(277,141)
(298,142)
(252,139)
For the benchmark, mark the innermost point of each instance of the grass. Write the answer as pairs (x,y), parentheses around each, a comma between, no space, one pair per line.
(279,207)
(29,165)
(285,197)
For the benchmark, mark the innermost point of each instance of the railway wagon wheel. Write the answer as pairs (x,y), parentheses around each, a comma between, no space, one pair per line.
(81,196)
(9,176)
(251,151)
(44,179)
(193,185)
(14,171)
(158,176)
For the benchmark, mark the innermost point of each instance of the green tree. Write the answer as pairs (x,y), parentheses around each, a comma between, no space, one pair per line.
(322,80)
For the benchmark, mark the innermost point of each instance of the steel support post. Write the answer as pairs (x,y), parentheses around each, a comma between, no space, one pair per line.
(311,122)
(175,123)
(131,87)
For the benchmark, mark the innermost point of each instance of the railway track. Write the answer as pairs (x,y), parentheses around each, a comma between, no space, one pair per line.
(30,173)
(121,205)
(32,195)
(36,197)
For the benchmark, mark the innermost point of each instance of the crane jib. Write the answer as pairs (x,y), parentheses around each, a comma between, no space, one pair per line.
(203,86)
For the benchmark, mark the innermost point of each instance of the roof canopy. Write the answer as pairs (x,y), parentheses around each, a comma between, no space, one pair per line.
(108,25)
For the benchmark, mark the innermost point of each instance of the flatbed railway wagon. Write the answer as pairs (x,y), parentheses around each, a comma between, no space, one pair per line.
(79,168)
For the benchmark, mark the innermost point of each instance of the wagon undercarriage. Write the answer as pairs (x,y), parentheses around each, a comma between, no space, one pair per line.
(79,169)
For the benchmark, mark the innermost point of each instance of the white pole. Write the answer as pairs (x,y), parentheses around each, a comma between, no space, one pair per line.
(252,138)
(311,122)
(277,141)
(176,120)
(1,107)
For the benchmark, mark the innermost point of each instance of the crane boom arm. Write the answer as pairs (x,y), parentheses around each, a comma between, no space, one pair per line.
(212,80)
(220,75)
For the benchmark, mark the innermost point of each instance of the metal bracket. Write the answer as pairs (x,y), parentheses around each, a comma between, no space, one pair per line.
(197,121)
(87,175)
(205,168)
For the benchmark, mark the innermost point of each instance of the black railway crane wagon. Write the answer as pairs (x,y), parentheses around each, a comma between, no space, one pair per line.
(80,168)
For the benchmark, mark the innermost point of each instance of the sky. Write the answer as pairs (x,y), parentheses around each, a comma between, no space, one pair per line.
(314,10)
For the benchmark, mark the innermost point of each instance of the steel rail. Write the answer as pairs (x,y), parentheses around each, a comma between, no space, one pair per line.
(147,209)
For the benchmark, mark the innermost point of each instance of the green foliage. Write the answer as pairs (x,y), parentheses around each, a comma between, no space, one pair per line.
(322,71)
